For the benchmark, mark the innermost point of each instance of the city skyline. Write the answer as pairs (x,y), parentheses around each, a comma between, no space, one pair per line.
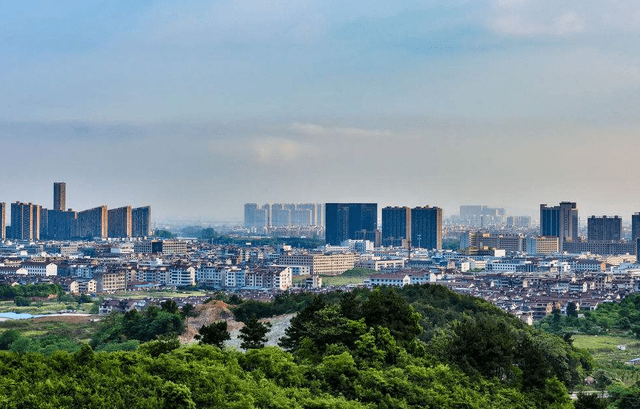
(446,213)
(199,107)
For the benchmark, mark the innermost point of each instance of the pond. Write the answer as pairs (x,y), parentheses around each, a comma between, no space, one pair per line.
(14,315)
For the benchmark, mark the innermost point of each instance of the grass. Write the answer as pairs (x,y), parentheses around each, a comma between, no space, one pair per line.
(298,279)
(609,358)
(353,276)
(77,332)
(340,280)
(44,307)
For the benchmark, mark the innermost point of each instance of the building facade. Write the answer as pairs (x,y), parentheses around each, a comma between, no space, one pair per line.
(396,226)
(141,221)
(280,215)
(604,228)
(120,222)
(25,221)
(60,224)
(3,221)
(93,223)
(559,221)
(60,196)
(426,227)
(542,245)
(325,264)
(344,221)
(635,226)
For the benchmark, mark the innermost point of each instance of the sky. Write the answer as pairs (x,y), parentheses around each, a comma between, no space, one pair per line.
(197,107)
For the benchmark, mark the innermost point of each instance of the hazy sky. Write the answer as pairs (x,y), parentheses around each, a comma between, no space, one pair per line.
(197,107)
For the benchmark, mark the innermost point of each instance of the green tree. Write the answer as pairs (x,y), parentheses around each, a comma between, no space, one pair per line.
(208,233)
(350,305)
(589,401)
(162,345)
(163,234)
(386,308)
(572,309)
(603,379)
(170,306)
(177,396)
(557,319)
(297,330)
(7,338)
(22,301)
(188,310)
(214,334)
(254,334)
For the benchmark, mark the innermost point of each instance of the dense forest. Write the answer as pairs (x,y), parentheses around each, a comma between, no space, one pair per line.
(416,347)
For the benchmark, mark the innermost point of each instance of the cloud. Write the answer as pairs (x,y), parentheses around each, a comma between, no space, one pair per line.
(319,131)
(517,24)
(263,150)
(239,21)
(551,18)
(267,150)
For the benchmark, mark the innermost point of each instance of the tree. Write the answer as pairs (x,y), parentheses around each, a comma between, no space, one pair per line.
(297,330)
(254,334)
(350,305)
(163,234)
(235,300)
(572,310)
(386,308)
(207,233)
(214,334)
(22,301)
(164,344)
(603,379)
(7,338)
(589,401)
(188,310)
(557,318)
(170,306)
(567,338)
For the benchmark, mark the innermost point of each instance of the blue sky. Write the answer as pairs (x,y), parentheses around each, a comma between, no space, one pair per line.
(200,106)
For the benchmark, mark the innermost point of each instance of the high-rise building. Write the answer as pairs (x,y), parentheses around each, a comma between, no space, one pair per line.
(559,221)
(281,214)
(59,196)
(302,217)
(25,221)
(396,226)
(481,216)
(3,220)
(256,217)
(92,223)
(315,212)
(343,220)
(635,226)
(604,228)
(426,227)
(277,215)
(141,221)
(44,223)
(519,222)
(119,224)
(61,224)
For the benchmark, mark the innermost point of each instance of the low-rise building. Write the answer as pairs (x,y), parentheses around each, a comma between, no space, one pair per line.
(323,264)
